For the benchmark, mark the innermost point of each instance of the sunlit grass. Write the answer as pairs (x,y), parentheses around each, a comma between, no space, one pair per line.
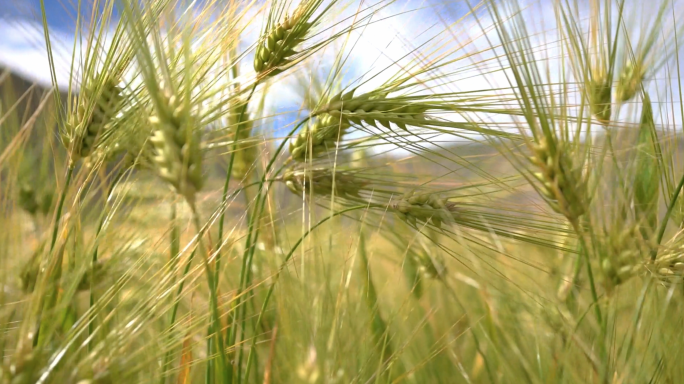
(500,201)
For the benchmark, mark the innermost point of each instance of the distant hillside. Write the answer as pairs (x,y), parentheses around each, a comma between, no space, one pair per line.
(19,94)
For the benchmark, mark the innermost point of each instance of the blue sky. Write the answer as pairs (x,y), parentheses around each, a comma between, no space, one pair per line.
(61,14)
(21,39)
(22,46)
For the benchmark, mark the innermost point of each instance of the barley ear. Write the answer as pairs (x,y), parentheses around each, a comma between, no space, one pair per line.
(669,266)
(562,183)
(620,254)
(428,208)
(246,152)
(176,144)
(647,175)
(431,266)
(323,181)
(600,97)
(629,82)
(319,136)
(278,44)
(374,108)
(96,108)
(413,275)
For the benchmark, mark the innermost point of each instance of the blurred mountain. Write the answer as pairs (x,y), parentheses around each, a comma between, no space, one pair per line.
(22,95)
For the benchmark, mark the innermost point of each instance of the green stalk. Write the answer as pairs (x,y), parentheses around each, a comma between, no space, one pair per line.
(594,294)
(282,267)
(224,196)
(224,201)
(379,328)
(215,321)
(174,254)
(210,369)
(174,237)
(50,298)
(248,253)
(174,311)
(91,300)
(179,291)
(60,206)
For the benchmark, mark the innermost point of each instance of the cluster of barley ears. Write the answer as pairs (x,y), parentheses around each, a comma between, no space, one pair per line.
(243,192)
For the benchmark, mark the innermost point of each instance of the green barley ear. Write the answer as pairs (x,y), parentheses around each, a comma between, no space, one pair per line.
(669,265)
(647,173)
(600,96)
(620,254)
(246,152)
(278,44)
(96,108)
(641,52)
(415,207)
(563,184)
(372,108)
(592,44)
(630,80)
(321,135)
(323,181)
(176,145)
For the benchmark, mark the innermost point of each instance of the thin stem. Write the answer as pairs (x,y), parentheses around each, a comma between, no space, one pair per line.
(50,297)
(229,171)
(282,267)
(249,251)
(179,291)
(91,301)
(594,293)
(224,199)
(60,206)
(248,254)
(174,311)
(215,321)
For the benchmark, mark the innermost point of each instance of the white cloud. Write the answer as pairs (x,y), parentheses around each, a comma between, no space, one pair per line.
(375,52)
(23,50)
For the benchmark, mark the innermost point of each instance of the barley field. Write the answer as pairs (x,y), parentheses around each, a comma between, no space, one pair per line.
(343,191)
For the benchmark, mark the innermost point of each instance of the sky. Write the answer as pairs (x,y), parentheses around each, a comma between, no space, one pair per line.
(23,48)
(22,44)
(377,46)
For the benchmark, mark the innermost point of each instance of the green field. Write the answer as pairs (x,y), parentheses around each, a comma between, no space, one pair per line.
(332,191)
